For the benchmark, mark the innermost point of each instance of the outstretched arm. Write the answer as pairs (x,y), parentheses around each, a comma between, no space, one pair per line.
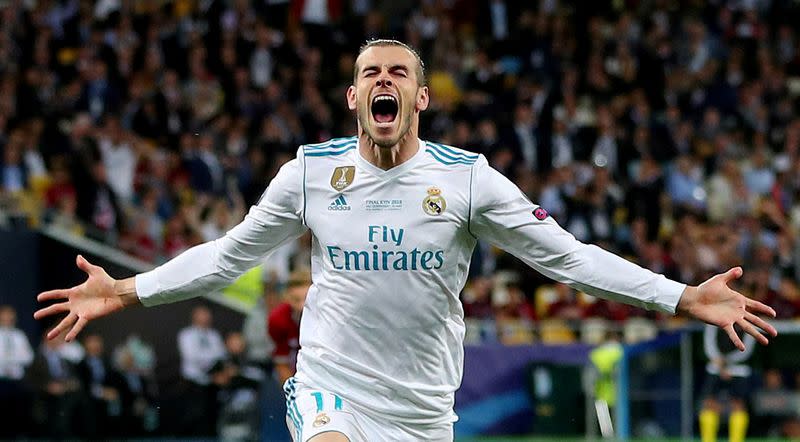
(502,214)
(203,269)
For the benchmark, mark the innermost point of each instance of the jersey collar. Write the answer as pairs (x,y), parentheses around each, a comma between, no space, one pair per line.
(394,171)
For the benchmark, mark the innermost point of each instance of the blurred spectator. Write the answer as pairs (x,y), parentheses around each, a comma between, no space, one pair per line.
(685,184)
(99,207)
(759,177)
(566,305)
(102,384)
(284,324)
(71,351)
(477,298)
(137,392)
(17,355)
(509,301)
(221,218)
(119,158)
(200,347)
(238,381)
(61,407)
(14,172)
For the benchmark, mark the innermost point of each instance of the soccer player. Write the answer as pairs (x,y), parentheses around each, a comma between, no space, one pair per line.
(394,222)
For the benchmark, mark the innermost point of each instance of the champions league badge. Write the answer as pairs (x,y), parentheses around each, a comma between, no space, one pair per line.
(540,213)
(434,204)
(322,419)
(342,177)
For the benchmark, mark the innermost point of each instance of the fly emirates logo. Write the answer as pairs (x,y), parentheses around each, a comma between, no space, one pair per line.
(385,253)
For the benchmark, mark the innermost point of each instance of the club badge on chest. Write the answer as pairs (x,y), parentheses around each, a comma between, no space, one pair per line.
(434,204)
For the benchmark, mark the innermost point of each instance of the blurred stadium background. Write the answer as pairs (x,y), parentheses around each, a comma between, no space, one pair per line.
(664,130)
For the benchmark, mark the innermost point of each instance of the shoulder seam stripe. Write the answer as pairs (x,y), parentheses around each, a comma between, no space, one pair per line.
(328,153)
(436,156)
(330,143)
(334,148)
(456,151)
(451,151)
(454,158)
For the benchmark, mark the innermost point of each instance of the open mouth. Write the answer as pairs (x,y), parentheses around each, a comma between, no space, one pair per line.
(384,108)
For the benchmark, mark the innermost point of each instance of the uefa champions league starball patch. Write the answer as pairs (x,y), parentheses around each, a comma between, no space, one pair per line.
(540,213)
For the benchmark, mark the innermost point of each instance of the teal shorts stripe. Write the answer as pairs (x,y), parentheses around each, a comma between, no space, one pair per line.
(294,405)
(291,404)
(318,396)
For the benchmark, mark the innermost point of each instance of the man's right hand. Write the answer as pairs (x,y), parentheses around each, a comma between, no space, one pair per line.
(100,295)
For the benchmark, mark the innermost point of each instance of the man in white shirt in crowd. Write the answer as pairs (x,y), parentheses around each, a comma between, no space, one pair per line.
(15,356)
(200,346)
(394,220)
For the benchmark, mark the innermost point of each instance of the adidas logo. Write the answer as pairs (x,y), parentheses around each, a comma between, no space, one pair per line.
(339,204)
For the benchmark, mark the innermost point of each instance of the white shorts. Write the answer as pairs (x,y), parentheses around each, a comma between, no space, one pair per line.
(310,412)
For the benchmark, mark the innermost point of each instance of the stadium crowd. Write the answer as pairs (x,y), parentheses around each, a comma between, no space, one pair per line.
(664,130)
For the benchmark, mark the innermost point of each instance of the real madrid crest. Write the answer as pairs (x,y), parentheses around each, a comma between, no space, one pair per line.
(434,204)
(322,419)
(342,177)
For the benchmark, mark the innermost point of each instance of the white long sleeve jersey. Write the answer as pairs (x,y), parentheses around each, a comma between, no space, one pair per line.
(382,325)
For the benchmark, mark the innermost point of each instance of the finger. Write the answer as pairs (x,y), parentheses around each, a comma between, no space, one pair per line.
(52,295)
(761,323)
(734,337)
(734,273)
(63,325)
(76,329)
(54,309)
(752,331)
(84,265)
(757,307)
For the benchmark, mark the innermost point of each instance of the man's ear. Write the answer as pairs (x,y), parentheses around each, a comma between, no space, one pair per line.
(351,98)
(423,98)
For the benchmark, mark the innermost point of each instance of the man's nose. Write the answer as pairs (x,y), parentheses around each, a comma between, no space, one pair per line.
(383,82)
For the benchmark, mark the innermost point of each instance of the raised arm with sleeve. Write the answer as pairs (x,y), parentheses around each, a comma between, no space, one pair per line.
(208,267)
(503,215)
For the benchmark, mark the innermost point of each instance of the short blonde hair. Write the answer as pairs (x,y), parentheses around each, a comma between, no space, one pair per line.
(420,69)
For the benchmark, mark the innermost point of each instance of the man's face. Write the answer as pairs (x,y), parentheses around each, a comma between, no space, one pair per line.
(93,345)
(7,318)
(201,317)
(386,95)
